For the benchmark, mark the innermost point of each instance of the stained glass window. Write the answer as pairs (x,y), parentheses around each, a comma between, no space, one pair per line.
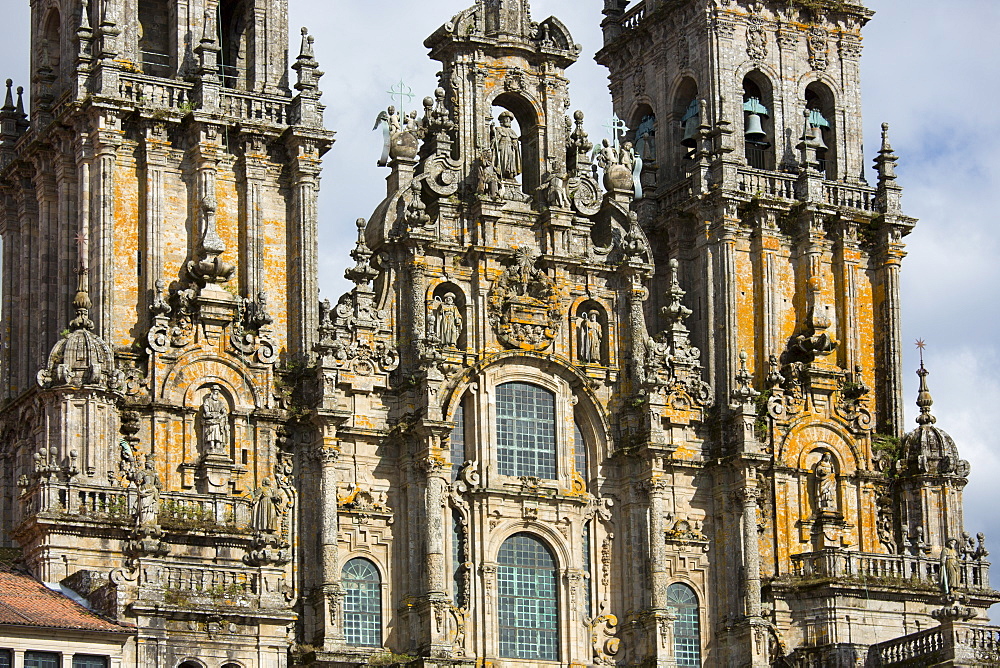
(458,441)
(526,437)
(362,603)
(41,660)
(580,452)
(687,636)
(526,574)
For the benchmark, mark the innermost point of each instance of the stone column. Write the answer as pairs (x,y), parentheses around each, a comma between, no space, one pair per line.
(434,503)
(254,174)
(102,247)
(889,341)
(751,549)
(329,521)
(156,153)
(657,543)
(303,312)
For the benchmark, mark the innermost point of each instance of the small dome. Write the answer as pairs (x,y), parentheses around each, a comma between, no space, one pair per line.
(81,357)
(928,449)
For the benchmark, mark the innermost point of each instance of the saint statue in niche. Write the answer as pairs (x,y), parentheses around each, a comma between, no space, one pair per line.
(949,577)
(448,323)
(506,144)
(590,334)
(148,505)
(826,484)
(215,421)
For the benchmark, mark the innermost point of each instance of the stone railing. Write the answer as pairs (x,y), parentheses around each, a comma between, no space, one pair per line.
(916,649)
(117,505)
(145,91)
(879,568)
(634,16)
(758,183)
(953,643)
(254,108)
(852,197)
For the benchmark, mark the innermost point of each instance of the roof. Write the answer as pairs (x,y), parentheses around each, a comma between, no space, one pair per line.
(25,601)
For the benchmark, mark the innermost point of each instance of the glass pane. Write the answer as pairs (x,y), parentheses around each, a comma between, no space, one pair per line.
(458,442)
(41,660)
(687,635)
(4,658)
(526,431)
(526,577)
(90,661)
(362,603)
(580,451)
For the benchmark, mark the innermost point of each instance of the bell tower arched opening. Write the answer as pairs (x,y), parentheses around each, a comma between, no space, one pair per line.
(156,40)
(758,121)
(821,108)
(234,37)
(687,114)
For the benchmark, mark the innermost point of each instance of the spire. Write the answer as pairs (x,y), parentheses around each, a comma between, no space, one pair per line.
(888,193)
(8,103)
(924,399)
(306,65)
(82,304)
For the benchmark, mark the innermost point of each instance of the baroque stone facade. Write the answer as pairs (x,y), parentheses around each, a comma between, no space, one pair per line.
(636,404)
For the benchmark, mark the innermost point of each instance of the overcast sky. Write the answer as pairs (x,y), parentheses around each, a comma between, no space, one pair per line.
(932,69)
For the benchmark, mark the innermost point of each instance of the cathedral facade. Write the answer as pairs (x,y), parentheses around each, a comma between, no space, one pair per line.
(628,404)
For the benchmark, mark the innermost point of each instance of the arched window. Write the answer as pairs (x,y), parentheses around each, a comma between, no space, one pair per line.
(526,431)
(155,22)
(457,441)
(362,603)
(687,635)
(529,622)
(685,117)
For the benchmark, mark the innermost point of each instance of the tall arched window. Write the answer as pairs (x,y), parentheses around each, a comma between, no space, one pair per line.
(529,622)
(526,431)
(758,129)
(362,603)
(457,441)
(580,451)
(821,117)
(234,29)
(687,634)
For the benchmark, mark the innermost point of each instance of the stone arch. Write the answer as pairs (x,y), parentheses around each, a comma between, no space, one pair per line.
(195,365)
(796,445)
(191,663)
(547,535)
(156,23)
(528,115)
(557,33)
(235,33)
(819,96)
(437,298)
(684,95)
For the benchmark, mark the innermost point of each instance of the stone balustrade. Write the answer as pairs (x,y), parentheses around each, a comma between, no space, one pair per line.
(632,18)
(911,650)
(851,197)
(953,643)
(760,183)
(883,568)
(145,91)
(117,505)
(254,108)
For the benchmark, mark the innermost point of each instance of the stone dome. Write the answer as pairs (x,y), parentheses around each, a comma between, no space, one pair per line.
(81,358)
(928,449)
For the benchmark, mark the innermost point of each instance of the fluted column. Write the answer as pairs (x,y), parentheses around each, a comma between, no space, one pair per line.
(303,315)
(102,247)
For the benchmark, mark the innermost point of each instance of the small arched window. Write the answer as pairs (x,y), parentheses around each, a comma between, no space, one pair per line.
(758,128)
(529,620)
(687,633)
(526,431)
(362,603)
(820,120)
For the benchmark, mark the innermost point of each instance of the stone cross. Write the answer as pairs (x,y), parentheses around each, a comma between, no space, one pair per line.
(401,94)
(616,127)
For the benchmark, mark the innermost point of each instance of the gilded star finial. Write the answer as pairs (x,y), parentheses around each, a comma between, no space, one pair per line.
(921,345)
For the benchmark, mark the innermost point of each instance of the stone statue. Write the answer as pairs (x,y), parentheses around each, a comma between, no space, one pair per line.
(554,186)
(506,145)
(487,176)
(215,421)
(590,334)
(950,576)
(267,507)
(826,484)
(148,504)
(607,155)
(448,321)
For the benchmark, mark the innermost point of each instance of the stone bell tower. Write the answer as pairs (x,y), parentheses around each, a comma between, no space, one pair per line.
(159,227)
(747,116)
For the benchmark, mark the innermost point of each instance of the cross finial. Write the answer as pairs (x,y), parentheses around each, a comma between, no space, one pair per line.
(616,126)
(400,94)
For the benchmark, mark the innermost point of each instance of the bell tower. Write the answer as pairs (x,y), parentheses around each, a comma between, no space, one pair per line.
(747,117)
(159,224)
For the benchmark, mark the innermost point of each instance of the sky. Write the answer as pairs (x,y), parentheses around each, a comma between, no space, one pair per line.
(931,69)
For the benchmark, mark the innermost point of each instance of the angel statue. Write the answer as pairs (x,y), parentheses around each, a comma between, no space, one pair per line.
(391,126)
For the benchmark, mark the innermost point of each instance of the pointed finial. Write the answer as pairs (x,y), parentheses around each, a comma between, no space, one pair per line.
(8,103)
(81,304)
(20,101)
(885,162)
(85,16)
(924,399)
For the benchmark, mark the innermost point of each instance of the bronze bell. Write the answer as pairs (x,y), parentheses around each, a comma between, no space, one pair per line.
(754,129)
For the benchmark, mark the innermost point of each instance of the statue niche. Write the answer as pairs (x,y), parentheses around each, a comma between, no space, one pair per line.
(215,431)
(445,316)
(590,326)
(824,486)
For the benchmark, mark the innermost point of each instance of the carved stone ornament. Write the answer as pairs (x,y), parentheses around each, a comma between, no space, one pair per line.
(818,48)
(524,306)
(756,39)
